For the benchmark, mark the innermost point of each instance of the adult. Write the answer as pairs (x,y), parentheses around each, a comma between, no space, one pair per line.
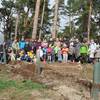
(92,49)
(57,43)
(1,52)
(77,49)
(28,46)
(72,52)
(84,53)
(97,53)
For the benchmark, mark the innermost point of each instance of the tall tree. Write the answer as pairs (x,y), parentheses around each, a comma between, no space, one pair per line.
(55,19)
(25,9)
(16,26)
(84,14)
(36,16)
(7,17)
(44,4)
(89,19)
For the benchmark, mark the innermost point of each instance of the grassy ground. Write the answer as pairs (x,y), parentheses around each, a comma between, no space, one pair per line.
(24,85)
(12,89)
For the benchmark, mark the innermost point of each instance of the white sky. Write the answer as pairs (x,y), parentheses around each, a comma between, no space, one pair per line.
(64,19)
(0,3)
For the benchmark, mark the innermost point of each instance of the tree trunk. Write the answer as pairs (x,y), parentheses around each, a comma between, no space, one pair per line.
(89,21)
(16,26)
(35,24)
(26,19)
(70,25)
(42,19)
(55,19)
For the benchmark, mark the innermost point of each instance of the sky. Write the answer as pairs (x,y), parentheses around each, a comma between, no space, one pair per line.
(52,1)
(0,3)
(63,19)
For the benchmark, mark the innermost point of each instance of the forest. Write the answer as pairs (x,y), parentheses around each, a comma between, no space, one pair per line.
(35,19)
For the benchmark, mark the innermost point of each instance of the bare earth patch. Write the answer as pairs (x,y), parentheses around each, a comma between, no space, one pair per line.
(62,81)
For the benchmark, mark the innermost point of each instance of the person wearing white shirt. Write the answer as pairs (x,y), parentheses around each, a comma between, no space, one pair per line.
(92,49)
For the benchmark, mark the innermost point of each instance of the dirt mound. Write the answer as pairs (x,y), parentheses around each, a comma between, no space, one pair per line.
(27,70)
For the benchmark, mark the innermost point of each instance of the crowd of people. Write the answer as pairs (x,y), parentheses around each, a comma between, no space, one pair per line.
(51,51)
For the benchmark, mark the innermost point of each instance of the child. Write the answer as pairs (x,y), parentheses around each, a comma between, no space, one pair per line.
(22,55)
(30,56)
(56,48)
(44,53)
(39,53)
(49,52)
(59,55)
(65,53)
(12,55)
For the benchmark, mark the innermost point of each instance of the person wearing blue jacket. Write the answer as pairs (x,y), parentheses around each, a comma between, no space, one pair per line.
(22,43)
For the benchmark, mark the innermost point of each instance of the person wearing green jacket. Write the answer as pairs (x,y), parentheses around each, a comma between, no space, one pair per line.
(56,49)
(84,53)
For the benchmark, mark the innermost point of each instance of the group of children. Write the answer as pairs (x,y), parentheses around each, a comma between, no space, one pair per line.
(49,53)
(52,51)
